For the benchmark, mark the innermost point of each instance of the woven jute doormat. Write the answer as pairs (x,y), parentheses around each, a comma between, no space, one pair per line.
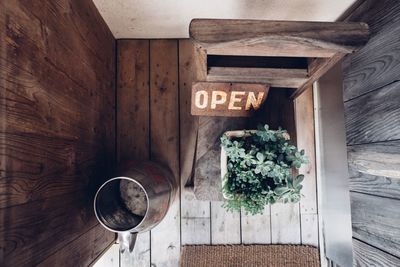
(250,256)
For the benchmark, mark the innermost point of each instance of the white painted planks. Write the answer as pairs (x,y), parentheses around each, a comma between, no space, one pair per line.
(225,225)
(256,229)
(285,223)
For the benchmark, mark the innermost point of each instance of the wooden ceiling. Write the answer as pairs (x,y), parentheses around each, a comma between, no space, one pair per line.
(280,46)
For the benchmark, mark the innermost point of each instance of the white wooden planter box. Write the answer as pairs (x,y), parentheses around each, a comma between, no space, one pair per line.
(224,157)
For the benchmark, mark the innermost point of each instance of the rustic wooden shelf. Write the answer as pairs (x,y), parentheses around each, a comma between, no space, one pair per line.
(322,43)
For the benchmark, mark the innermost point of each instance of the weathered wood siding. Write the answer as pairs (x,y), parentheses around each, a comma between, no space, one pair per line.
(56,131)
(372,110)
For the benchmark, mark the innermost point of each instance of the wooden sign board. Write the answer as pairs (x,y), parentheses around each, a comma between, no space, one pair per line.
(227,99)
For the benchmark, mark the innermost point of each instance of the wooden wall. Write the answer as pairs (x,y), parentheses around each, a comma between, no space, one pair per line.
(372,110)
(57,61)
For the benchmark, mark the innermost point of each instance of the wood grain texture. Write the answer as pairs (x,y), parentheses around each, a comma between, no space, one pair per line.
(371,92)
(195,215)
(286,78)
(195,220)
(304,117)
(374,185)
(99,240)
(133,130)
(133,99)
(380,159)
(32,233)
(377,64)
(57,136)
(225,225)
(277,38)
(256,229)
(366,255)
(188,73)
(164,138)
(374,221)
(374,117)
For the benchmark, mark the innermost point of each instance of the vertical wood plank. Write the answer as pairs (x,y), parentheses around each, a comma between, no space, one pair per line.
(133,99)
(309,229)
(304,117)
(164,125)
(195,215)
(133,123)
(225,225)
(285,223)
(256,229)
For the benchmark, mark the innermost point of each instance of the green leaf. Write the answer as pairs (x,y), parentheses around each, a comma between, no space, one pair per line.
(281,190)
(260,156)
(298,180)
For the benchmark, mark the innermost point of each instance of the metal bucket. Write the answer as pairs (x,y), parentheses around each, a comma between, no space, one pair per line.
(134,201)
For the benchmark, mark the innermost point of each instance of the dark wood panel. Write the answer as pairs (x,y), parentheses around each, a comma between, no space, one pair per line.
(188,123)
(57,136)
(164,115)
(374,117)
(133,99)
(278,111)
(42,228)
(378,63)
(375,221)
(365,255)
(76,253)
(38,167)
(257,62)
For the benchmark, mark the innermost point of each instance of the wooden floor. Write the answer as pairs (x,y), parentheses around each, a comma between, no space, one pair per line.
(154,121)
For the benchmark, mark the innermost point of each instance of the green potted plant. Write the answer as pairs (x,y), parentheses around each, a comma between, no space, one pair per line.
(257,169)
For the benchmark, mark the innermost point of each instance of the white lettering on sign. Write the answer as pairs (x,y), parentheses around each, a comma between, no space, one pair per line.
(235,98)
(254,102)
(227,99)
(218,98)
(201,99)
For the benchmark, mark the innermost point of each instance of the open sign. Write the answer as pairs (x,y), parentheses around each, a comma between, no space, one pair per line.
(227,99)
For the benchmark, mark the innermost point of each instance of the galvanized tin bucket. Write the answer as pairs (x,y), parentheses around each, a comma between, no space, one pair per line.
(134,201)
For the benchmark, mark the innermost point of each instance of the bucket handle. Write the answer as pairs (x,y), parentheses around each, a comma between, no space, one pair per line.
(126,240)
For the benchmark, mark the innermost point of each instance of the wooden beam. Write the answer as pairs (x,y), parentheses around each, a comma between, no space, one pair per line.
(285,78)
(316,68)
(278,38)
